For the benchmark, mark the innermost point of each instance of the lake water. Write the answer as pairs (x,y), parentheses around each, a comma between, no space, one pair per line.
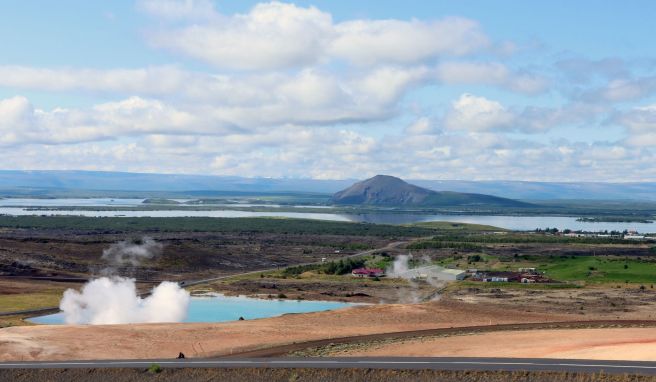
(520,223)
(70,202)
(223,308)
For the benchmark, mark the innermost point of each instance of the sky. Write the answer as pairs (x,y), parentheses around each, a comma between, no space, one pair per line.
(469,90)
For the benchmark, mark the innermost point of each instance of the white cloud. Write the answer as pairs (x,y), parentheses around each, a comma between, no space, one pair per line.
(619,90)
(151,80)
(472,113)
(369,42)
(310,96)
(489,73)
(421,126)
(22,123)
(278,35)
(641,125)
(271,35)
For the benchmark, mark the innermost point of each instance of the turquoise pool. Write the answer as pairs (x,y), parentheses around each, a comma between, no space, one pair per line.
(222,308)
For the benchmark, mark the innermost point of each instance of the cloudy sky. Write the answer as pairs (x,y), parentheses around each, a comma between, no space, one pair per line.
(551,90)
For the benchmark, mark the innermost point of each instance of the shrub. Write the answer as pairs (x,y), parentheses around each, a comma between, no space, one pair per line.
(343,266)
(474,258)
(155,369)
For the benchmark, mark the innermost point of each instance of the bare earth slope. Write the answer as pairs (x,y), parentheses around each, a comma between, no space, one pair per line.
(635,344)
(197,340)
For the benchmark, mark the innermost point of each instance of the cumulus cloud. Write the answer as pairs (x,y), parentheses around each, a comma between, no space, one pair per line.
(641,125)
(474,113)
(489,73)
(271,35)
(369,42)
(289,91)
(421,126)
(25,124)
(618,90)
(151,80)
(278,35)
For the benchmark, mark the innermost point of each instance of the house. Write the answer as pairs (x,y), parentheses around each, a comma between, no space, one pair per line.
(368,272)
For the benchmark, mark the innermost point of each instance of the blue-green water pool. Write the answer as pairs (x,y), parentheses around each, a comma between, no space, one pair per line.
(223,308)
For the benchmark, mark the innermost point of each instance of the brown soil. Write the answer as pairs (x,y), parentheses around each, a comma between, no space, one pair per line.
(635,344)
(202,340)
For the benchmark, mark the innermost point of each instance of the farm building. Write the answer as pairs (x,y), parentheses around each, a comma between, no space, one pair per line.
(434,272)
(368,272)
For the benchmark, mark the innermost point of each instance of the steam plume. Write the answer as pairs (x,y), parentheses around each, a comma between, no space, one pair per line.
(115,301)
(400,267)
(129,252)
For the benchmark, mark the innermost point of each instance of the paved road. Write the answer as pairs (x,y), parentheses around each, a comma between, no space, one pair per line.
(506,364)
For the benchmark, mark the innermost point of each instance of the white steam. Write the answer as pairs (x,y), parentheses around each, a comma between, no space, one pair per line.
(400,269)
(129,252)
(400,266)
(116,301)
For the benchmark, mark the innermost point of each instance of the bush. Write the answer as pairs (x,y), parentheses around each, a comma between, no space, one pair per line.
(474,258)
(343,267)
(155,369)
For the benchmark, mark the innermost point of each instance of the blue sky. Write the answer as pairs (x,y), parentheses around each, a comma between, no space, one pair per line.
(540,90)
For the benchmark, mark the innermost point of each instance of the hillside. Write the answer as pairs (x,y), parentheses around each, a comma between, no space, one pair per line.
(48,183)
(385,190)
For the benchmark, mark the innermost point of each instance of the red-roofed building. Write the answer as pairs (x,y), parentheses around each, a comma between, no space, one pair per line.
(368,272)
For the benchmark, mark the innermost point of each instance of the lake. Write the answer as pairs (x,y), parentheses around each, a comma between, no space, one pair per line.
(221,308)
(520,223)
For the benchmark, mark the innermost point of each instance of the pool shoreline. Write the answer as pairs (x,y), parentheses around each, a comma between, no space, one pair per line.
(217,307)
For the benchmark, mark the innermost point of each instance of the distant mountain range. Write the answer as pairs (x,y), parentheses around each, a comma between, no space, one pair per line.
(385,190)
(38,182)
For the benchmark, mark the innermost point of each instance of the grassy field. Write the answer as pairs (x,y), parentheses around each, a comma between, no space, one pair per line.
(602,269)
(445,237)
(459,227)
(587,269)
(25,301)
